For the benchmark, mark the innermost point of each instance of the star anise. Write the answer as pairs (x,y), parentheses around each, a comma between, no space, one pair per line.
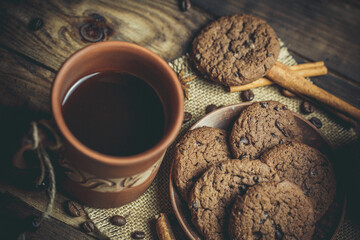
(184,82)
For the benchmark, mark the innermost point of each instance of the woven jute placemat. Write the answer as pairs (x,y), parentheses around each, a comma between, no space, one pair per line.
(202,92)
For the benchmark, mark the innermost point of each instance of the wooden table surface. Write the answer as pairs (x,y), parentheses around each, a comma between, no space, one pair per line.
(29,60)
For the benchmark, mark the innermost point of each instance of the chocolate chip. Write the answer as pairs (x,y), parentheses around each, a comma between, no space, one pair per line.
(287,93)
(236,74)
(316,122)
(118,220)
(276,108)
(247,95)
(138,235)
(306,107)
(210,108)
(90,32)
(244,140)
(73,208)
(264,104)
(88,226)
(282,130)
(185,5)
(256,179)
(279,235)
(35,24)
(243,188)
(187,117)
(195,205)
(284,107)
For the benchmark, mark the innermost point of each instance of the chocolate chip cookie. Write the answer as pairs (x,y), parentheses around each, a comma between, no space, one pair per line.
(235,50)
(197,150)
(211,198)
(261,126)
(272,211)
(306,167)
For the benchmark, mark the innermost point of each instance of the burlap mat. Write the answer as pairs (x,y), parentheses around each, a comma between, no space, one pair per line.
(202,93)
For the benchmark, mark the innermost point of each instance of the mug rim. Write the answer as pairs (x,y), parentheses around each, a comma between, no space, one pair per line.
(158,148)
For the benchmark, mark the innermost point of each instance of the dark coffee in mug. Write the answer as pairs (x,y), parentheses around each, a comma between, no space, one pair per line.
(114,113)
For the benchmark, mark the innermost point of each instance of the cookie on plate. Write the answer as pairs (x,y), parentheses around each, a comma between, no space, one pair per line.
(272,211)
(197,150)
(211,198)
(235,50)
(306,167)
(261,126)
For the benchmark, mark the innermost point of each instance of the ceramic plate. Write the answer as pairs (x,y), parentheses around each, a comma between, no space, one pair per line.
(224,118)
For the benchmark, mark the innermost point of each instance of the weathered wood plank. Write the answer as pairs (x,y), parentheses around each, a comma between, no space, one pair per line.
(319,30)
(23,83)
(158,25)
(342,88)
(13,213)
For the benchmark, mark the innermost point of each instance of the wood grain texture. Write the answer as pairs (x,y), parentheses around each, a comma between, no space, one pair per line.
(158,25)
(13,212)
(23,83)
(319,30)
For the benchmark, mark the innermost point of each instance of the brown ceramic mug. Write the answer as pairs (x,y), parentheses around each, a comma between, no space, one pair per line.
(101,180)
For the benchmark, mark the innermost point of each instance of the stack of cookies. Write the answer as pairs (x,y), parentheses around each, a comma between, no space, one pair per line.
(256,182)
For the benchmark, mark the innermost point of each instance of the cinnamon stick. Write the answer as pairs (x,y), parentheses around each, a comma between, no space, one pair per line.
(289,79)
(307,65)
(305,70)
(163,228)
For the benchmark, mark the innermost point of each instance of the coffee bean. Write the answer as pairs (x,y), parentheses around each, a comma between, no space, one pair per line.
(35,24)
(138,235)
(118,220)
(187,117)
(287,93)
(185,5)
(243,188)
(264,104)
(210,108)
(316,122)
(73,208)
(247,95)
(306,107)
(244,140)
(88,226)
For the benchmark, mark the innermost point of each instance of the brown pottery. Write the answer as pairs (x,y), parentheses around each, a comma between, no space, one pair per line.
(100,180)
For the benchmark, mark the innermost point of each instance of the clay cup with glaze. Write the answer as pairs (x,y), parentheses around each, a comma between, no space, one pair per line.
(100,180)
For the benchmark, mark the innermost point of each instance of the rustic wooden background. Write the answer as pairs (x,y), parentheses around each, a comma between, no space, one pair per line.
(313,30)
